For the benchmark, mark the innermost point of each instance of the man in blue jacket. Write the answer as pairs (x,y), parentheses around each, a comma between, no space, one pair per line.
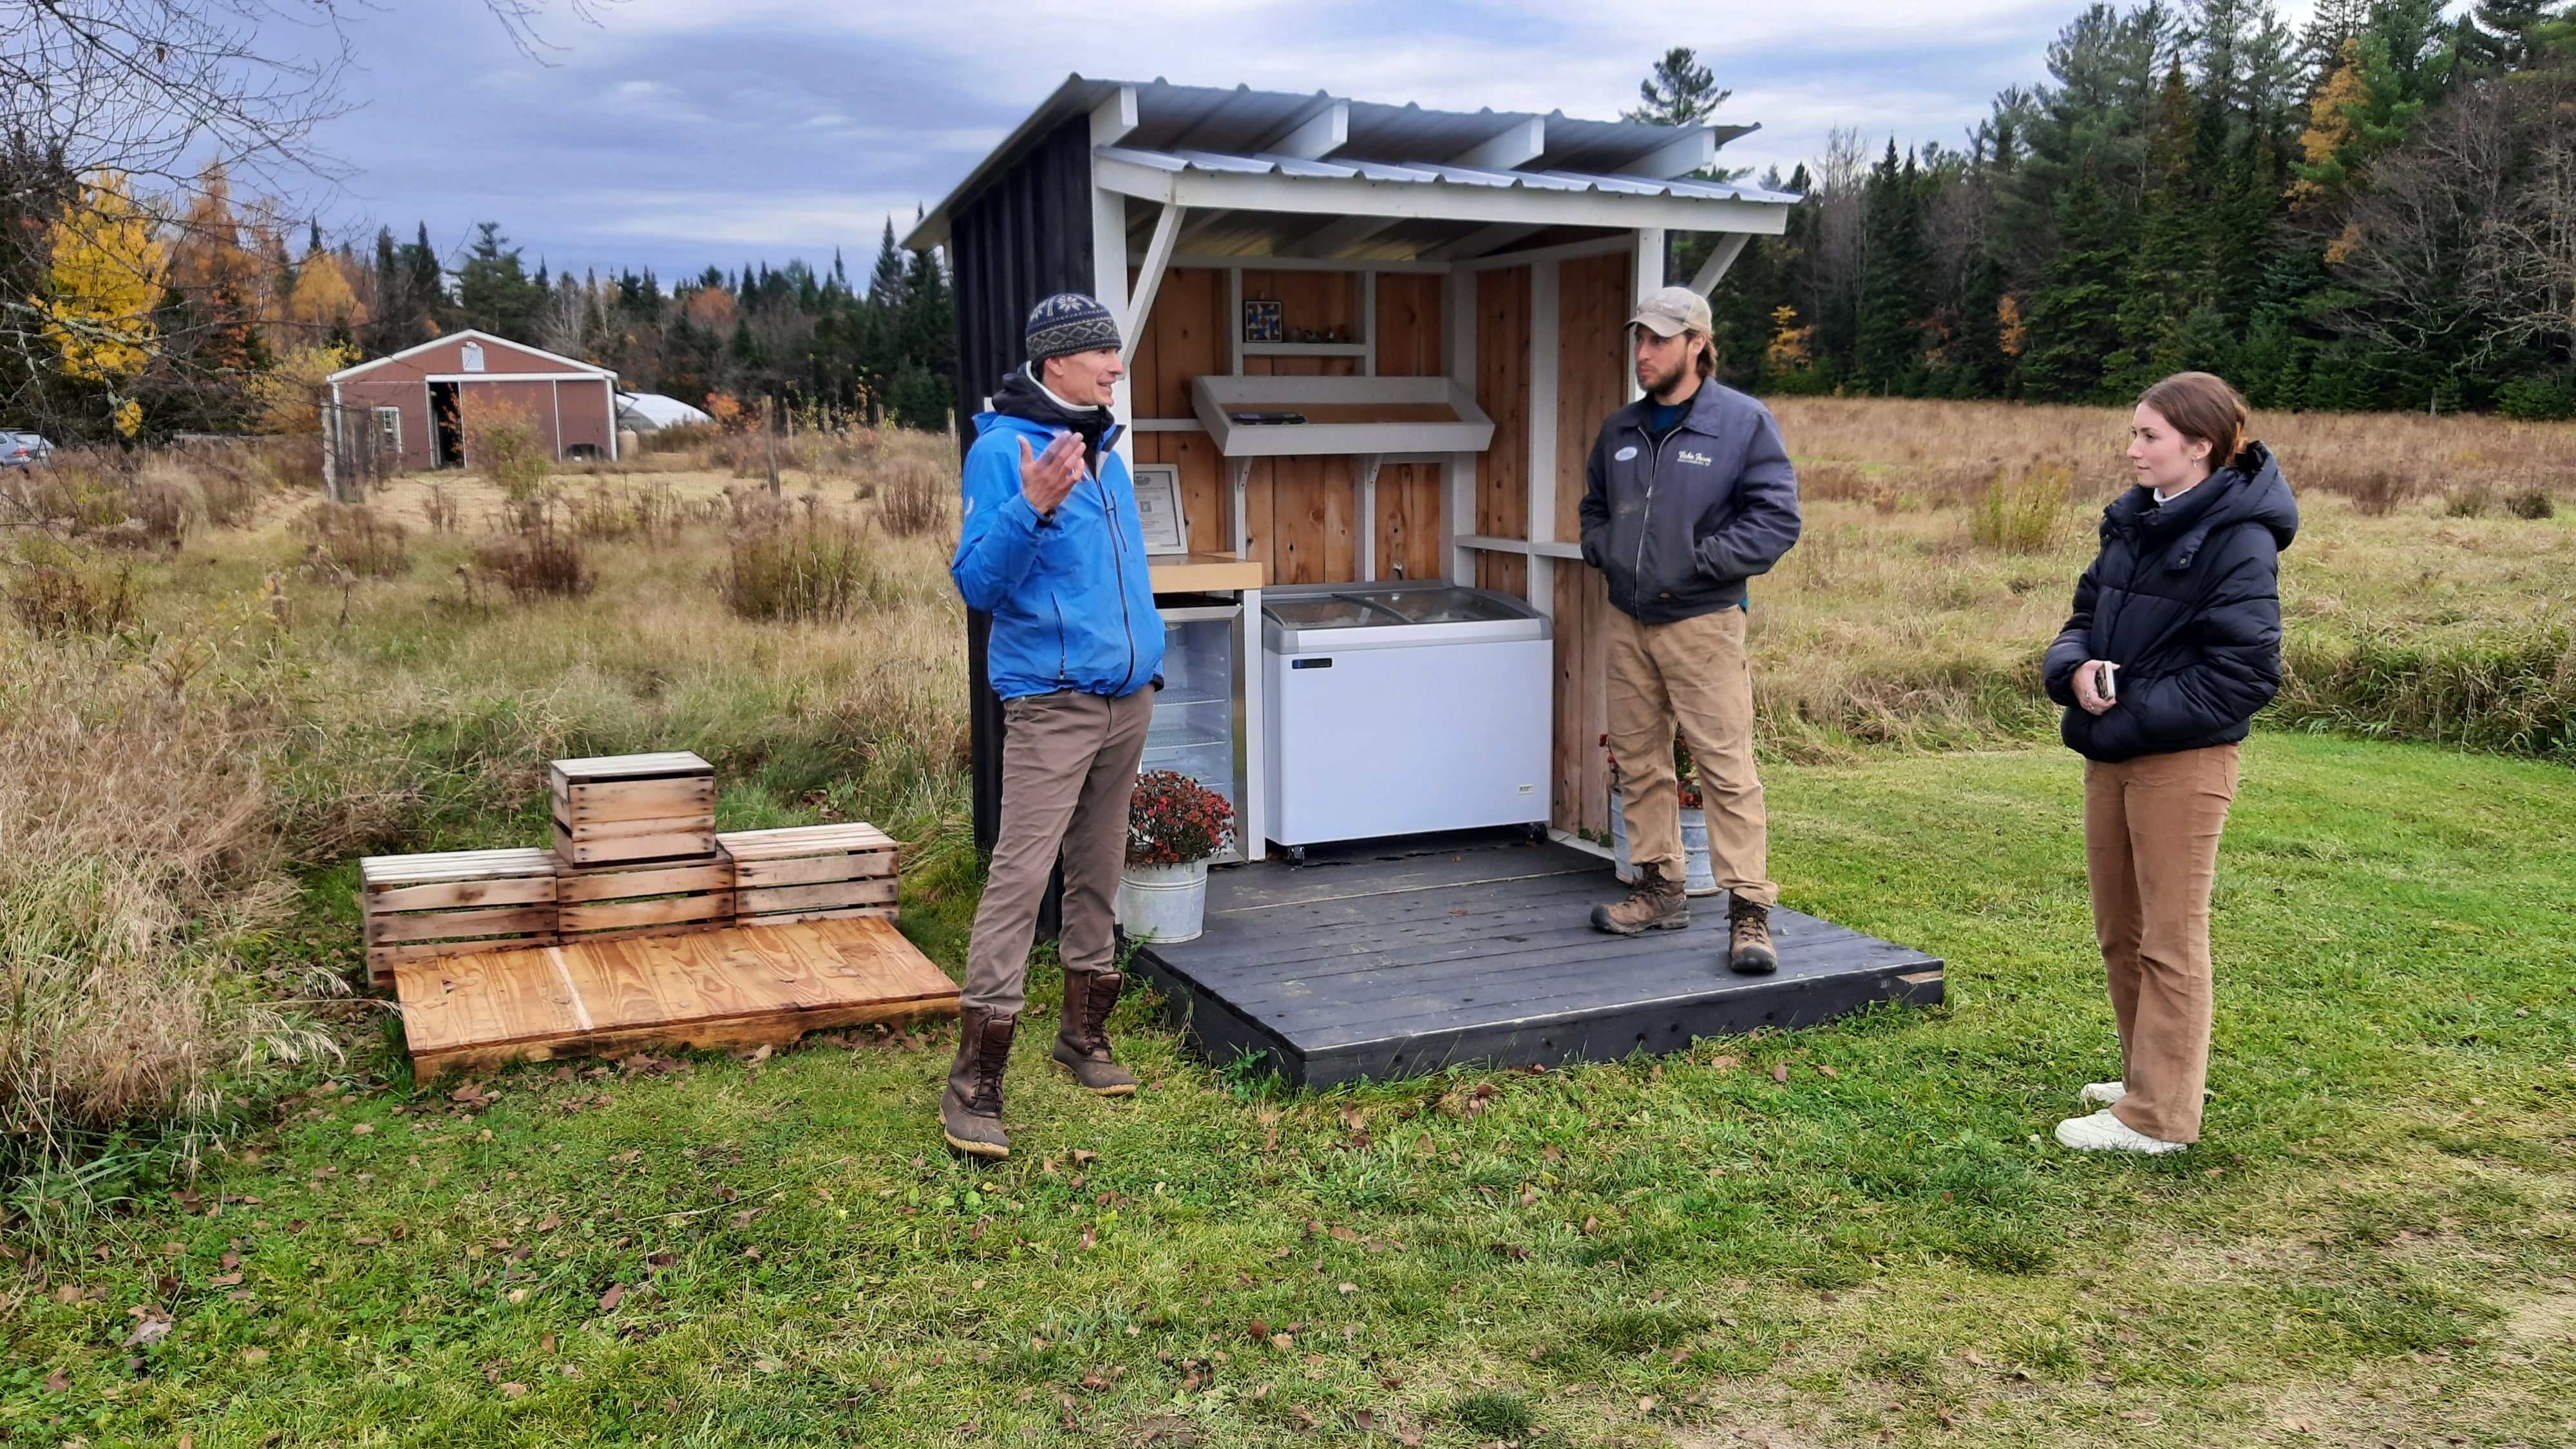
(1688,494)
(1052,548)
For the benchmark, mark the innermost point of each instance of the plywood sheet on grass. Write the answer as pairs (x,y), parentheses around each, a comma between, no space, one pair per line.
(740,986)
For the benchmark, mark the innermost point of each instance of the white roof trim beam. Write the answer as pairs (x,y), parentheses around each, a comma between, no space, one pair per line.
(1113,118)
(1171,182)
(1729,247)
(1326,131)
(1692,151)
(1524,142)
(1149,280)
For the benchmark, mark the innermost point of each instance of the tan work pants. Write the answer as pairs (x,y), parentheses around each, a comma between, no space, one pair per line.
(1689,676)
(2151,828)
(1068,774)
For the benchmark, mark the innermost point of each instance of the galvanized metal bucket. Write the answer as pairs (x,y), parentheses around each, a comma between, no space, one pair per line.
(1164,903)
(1698,878)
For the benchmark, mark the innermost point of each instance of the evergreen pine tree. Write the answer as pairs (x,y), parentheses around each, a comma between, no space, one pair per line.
(1887,355)
(885,282)
(2075,319)
(1679,92)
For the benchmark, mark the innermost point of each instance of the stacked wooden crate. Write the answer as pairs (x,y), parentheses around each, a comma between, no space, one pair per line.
(635,837)
(419,906)
(810,873)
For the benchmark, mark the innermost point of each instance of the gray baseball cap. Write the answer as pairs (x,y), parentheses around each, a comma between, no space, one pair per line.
(1674,310)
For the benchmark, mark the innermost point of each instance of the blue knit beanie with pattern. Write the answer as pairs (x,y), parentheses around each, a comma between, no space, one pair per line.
(1069,322)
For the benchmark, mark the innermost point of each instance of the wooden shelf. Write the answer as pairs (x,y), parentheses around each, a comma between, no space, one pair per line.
(1204,573)
(1375,415)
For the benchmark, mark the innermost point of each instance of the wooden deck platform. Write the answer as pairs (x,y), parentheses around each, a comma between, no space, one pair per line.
(1394,960)
(732,987)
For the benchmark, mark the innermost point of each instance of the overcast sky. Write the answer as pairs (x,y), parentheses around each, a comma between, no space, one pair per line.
(677,134)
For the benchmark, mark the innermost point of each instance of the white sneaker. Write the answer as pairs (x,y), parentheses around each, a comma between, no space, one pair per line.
(2105,1132)
(2102,1094)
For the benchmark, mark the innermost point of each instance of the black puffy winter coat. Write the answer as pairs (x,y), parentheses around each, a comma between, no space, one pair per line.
(2185,597)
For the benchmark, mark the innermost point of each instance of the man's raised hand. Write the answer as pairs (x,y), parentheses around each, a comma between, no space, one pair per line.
(1047,477)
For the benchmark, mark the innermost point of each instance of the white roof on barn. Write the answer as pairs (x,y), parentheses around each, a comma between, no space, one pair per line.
(659,411)
(1274,173)
(553,363)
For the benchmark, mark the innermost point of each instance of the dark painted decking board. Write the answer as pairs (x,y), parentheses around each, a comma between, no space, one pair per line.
(1399,963)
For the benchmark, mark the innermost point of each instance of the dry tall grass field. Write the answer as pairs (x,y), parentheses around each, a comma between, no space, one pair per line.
(209,686)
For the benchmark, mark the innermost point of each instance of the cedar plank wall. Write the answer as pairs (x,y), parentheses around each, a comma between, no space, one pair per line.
(1502,390)
(1593,309)
(1304,511)
(1183,338)
(1408,494)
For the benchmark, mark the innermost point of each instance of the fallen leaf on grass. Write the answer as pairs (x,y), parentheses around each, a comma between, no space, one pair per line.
(615,1295)
(57,1381)
(224,1280)
(363,1129)
(1081,1156)
(512,1391)
(1780,1073)
(151,1330)
(254,1355)
(549,1222)
(1828,1071)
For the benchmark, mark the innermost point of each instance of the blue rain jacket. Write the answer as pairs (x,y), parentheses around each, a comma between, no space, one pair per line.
(1072,605)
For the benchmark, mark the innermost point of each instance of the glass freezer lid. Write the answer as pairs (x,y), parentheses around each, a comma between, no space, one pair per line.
(1329,611)
(1440,606)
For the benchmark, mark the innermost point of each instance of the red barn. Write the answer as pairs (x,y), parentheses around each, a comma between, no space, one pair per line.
(415,403)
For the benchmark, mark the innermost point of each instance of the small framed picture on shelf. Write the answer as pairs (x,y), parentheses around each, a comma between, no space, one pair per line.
(1263,320)
(1158,503)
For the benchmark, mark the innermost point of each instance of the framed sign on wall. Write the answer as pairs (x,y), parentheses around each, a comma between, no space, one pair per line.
(1158,503)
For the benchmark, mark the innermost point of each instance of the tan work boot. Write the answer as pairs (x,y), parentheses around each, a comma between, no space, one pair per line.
(1082,1041)
(1653,904)
(1748,930)
(970,1112)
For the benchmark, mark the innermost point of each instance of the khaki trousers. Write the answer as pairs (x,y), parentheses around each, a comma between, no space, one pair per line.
(2151,828)
(1068,774)
(1689,676)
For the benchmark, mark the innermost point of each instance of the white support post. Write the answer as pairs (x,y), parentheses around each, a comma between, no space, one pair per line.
(1111,120)
(1544,366)
(1368,323)
(1233,321)
(1242,508)
(1368,464)
(1646,277)
(1730,245)
(1458,516)
(1149,279)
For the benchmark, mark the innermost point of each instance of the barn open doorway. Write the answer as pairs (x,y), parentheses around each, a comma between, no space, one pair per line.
(447,426)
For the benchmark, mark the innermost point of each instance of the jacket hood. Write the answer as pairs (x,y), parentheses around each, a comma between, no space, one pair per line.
(1021,397)
(2249,490)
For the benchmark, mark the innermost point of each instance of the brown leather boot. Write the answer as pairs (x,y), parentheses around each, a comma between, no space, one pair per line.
(1748,930)
(1653,904)
(970,1112)
(1082,1041)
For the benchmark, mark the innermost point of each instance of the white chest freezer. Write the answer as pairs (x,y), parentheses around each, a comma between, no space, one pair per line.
(1392,709)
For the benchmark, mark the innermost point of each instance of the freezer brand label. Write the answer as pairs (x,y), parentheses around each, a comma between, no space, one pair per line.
(1624,454)
(1687,456)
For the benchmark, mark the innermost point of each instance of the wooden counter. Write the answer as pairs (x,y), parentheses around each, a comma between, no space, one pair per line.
(1203,573)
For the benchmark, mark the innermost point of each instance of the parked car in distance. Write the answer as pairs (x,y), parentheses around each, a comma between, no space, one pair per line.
(17,450)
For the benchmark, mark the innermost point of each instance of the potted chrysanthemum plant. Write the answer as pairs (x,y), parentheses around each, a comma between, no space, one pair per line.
(1175,826)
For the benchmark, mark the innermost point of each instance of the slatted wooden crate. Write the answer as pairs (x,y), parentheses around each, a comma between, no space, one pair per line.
(652,898)
(811,872)
(419,906)
(634,807)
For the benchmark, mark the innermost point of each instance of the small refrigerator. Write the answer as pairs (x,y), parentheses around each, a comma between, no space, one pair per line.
(1396,709)
(1202,726)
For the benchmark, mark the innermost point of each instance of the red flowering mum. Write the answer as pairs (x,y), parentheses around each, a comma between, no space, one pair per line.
(1173,820)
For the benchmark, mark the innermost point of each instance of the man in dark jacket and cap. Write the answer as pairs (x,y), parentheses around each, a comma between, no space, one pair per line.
(1688,494)
(1051,546)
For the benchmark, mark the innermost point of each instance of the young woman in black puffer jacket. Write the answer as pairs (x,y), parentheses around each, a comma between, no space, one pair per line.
(2175,642)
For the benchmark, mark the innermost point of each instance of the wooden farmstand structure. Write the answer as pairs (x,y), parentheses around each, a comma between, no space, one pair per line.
(1369,347)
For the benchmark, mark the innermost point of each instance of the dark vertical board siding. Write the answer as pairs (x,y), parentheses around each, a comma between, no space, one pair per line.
(1028,236)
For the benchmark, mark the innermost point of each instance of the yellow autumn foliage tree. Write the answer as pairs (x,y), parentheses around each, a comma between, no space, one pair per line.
(108,271)
(290,395)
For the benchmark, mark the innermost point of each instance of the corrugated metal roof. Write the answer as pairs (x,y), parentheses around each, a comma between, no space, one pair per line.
(1423,171)
(1242,131)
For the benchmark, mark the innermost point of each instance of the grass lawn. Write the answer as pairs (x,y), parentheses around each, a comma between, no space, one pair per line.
(1859,1234)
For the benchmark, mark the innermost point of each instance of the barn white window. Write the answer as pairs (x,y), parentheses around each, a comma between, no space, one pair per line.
(389,428)
(473,357)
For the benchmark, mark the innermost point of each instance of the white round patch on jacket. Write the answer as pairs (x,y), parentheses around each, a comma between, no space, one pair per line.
(1624,454)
